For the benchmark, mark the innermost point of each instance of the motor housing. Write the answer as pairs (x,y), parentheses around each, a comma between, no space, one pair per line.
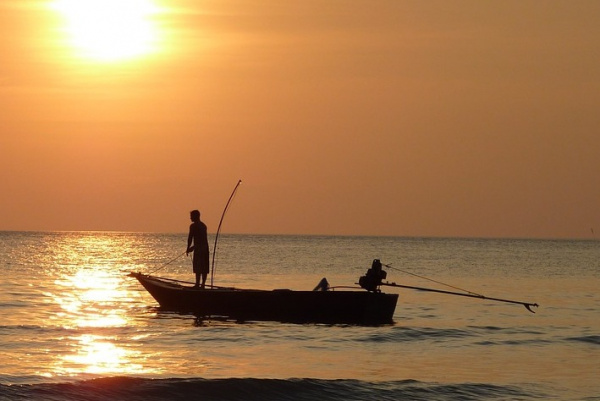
(374,277)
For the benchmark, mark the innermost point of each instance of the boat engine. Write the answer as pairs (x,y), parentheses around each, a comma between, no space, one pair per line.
(375,275)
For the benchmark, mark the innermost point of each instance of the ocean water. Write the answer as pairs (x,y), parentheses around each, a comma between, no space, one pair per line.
(75,327)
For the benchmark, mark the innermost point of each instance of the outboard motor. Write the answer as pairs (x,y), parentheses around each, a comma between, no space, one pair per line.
(375,275)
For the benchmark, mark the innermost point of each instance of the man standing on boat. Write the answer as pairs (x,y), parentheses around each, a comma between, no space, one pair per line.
(199,238)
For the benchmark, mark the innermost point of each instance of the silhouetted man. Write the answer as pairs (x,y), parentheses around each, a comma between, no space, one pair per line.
(199,238)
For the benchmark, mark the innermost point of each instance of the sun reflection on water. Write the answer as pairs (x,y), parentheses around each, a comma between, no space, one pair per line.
(92,305)
(96,354)
(90,299)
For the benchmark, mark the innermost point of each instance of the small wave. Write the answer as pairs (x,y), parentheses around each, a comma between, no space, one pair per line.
(504,330)
(131,389)
(25,328)
(533,342)
(406,334)
(22,329)
(593,339)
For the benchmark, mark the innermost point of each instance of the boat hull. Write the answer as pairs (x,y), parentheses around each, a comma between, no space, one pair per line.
(349,307)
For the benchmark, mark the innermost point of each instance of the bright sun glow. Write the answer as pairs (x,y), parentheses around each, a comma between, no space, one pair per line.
(110,30)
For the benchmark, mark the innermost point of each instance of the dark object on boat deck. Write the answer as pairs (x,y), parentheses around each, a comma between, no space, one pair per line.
(321,306)
(374,277)
(322,286)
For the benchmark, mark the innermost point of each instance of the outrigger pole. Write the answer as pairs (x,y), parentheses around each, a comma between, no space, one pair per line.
(375,276)
(212,274)
(527,305)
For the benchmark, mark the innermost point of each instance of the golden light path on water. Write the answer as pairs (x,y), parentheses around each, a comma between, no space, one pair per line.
(91,301)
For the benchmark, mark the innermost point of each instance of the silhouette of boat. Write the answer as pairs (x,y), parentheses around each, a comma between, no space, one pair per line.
(365,306)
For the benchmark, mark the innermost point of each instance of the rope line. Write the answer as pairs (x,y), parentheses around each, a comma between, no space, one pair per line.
(432,280)
(168,263)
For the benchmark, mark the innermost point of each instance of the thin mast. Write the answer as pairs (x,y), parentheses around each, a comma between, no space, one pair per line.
(212,274)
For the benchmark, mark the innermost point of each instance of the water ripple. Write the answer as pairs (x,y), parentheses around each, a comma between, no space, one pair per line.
(592,339)
(406,334)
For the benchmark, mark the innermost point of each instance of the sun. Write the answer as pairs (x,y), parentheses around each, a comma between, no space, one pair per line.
(109,30)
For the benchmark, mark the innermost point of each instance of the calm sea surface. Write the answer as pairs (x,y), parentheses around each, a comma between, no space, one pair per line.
(75,327)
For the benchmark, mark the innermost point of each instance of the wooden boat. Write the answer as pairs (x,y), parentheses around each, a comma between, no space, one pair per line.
(322,305)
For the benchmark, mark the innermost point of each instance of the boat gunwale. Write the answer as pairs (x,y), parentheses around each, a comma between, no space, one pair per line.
(179,285)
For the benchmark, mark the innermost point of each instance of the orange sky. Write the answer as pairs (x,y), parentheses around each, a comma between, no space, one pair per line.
(385,117)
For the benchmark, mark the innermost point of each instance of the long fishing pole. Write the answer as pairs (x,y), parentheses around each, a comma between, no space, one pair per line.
(527,305)
(212,274)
